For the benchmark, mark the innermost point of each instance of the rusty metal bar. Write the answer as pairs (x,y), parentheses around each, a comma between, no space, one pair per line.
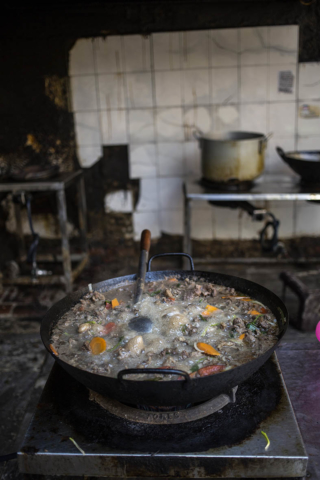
(76,272)
(21,243)
(82,210)
(65,246)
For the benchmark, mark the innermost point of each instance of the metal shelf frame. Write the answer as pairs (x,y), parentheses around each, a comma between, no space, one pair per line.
(267,187)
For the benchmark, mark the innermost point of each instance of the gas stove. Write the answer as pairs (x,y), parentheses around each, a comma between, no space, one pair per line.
(115,440)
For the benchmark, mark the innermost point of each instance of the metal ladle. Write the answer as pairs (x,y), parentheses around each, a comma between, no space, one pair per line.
(142,324)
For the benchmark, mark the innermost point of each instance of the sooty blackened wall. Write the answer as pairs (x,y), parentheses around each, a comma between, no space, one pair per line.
(35,40)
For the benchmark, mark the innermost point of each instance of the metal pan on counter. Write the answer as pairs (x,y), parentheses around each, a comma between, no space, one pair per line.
(173,392)
(305,163)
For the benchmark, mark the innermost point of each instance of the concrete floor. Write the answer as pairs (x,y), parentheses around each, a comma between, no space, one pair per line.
(24,364)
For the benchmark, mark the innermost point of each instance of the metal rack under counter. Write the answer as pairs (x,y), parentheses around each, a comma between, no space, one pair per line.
(268,187)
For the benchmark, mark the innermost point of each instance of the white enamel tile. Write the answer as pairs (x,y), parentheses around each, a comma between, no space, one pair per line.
(309,81)
(139,90)
(166,51)
(171,222)
(143,220)
(249,229)
(114,127)
(84,93)
(254,46)
(148,195)
(254,82)
(192,155)
(171,159)
(273,162)
(197,118)
(224,47)
(195,49)
(111,91)
(284,212)
(168,89)
(309,118)
(226,118)
(275,94)
(108,54)
(137,53)
(171,196)
(141,126)
(87,128)
(143,161)
(308,219)
(253,117)
(196,87)
(169,124)
(81,57)
(283,44)
(119,201)
(201,224)
(88,155)
(282,118)
(226,223)
(311,142)
(224,85)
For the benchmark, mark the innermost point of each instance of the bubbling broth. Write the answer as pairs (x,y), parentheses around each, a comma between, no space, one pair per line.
(198,327)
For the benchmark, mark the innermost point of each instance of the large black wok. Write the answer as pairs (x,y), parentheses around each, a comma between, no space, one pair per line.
(304,163)
(179,392)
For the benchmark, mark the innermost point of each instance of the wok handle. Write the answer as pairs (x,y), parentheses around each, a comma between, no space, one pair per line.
(281,153)
(170,255)
(160,371)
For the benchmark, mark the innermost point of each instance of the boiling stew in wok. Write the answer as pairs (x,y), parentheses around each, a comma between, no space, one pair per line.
(198,327)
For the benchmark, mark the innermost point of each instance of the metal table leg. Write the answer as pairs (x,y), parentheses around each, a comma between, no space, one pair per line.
(21,244)
(82,209)
(66,257)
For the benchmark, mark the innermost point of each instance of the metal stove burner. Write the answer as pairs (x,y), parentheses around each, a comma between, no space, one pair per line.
(164,417)
(228,187)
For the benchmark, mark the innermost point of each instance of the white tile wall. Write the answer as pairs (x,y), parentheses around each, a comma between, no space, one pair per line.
(168,88)
(111,91)
(309,81)
(224,85)
(143,161)
(254,83)
(152,92)
(114,127)
(84,93)
(171,159)
(166,51)
(148,195)
(224,47)
(171,222)
(139,90)
(254,46)
(141,126)
(108,55)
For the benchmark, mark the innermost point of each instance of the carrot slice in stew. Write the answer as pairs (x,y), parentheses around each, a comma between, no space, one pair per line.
(204,347)
(172,280)
(254,312)
(53,350)
(210,370)
(209,309)
(242,336)
(97,345)
(114,303)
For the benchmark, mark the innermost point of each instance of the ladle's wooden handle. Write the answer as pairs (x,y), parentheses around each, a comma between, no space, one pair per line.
(144,253)
(145,240)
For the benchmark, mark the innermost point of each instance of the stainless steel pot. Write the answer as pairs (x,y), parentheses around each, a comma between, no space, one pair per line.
(232,157)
